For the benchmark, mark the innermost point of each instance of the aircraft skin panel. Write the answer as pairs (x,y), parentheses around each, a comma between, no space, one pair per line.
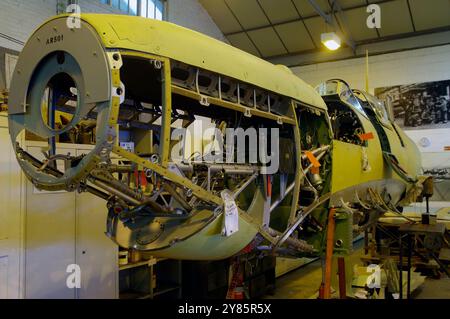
(413,158)
(348,159)
(210,244)
(408,154)
(347,165)
(196,49)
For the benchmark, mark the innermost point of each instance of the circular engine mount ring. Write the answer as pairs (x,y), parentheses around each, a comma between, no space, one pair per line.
(87,63)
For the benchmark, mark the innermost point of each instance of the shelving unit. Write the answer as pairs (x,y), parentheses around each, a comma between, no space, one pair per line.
(150,279)
(148,263)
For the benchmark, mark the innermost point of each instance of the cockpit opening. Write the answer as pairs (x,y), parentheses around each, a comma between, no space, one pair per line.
(342,107)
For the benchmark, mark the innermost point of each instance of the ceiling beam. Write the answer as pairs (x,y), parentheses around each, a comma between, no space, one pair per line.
(242,27)
(304,24)
(410,16)
(389,44)
(343,24)
(327,17)
(271,25)
(300,19)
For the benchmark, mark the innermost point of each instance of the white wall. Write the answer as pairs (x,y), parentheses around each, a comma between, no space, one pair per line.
(191,14)
(423,65)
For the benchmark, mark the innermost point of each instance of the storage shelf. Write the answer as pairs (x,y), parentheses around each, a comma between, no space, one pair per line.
(165,288)
(147,263)
(134,295)
(139,283)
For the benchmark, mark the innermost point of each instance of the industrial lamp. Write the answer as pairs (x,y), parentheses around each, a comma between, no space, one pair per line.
(331,40)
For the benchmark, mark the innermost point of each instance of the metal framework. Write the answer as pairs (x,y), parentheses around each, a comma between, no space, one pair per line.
(199,206)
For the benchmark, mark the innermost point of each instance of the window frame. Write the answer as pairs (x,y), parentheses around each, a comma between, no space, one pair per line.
(162,5)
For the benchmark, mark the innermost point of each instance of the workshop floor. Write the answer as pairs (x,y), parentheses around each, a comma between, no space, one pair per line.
(434,289)
(304,282)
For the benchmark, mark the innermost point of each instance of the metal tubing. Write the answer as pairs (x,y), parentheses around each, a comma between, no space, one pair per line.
(116,192)
(244,186)
(298,244)
(278,201)
(119,186)
(301,217)
(177,197)
(319,157)
(317,150)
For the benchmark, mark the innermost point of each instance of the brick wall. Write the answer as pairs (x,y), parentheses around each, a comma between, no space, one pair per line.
(19,18)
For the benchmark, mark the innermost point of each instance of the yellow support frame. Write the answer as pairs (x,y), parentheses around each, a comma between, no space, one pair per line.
(299,173)
(232,106)
(167,114)
(165,172)
(166,101)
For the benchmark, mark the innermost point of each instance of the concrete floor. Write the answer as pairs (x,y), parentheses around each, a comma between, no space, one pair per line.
(304,282)
(434,289)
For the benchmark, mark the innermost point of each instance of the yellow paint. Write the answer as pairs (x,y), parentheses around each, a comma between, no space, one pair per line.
(167,42)
(348,158)
(177,43)
(167,114)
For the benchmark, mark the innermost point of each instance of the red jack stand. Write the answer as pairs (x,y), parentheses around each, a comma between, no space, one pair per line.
(325,288)
(342,282)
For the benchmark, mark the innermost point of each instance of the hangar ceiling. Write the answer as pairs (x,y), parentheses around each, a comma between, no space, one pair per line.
(276,29)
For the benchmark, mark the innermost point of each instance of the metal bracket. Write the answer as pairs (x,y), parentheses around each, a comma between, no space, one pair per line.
(204,100)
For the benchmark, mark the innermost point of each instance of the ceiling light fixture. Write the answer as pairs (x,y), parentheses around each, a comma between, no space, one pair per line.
(331,40)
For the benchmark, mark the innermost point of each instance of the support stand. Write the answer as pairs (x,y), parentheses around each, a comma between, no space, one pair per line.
(325,288)
(342,281)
